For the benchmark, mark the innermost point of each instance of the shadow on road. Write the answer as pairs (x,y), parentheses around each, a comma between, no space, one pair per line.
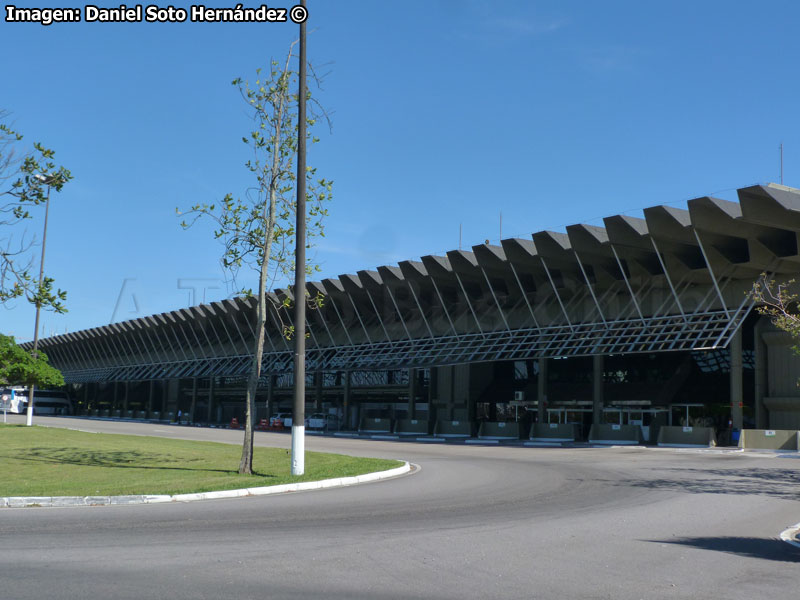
(777,483)
(750,547)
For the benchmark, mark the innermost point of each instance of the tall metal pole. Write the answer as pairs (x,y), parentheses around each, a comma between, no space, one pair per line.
(298,416)
(38,306)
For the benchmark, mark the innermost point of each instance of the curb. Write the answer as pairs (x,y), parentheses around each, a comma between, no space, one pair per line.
(792,535)
(57,501)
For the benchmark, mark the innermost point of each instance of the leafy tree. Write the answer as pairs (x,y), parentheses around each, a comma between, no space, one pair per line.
(778,302)
(18,367)
(26,179)
(257,230)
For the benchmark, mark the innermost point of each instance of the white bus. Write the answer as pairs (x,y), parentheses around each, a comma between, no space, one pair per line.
(45,402)
(11,400)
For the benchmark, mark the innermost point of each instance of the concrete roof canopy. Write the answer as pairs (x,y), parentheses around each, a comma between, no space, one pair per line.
(557,291)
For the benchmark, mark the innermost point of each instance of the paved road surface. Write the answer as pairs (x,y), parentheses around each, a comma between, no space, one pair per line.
(475,522)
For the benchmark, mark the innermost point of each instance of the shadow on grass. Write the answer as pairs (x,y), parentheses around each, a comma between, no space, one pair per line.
(750,547)
(776,483)
(118,460)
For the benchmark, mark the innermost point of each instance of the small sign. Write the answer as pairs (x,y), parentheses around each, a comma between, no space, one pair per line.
(769,433)
(456,422)
(377,420)
(501,424)
(687,430)
(553,425)
(414,421)
(615,427)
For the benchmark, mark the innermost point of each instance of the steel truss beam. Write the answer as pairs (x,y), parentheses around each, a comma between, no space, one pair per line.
(711,329)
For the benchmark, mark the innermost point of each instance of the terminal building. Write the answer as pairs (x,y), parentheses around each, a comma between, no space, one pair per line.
(645,321)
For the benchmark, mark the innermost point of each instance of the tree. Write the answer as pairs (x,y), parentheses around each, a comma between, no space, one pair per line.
(257,231)
(779,303)
(17,366)
(26,180)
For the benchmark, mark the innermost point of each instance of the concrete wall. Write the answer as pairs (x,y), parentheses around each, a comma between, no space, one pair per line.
(776,439)
(686,436)
(412,427)
(782,398)
(496,431)
(453,383)
(631,434)
(452,392)
(556,432)
(784,412)
(458,388)
(375,425)
(456,428)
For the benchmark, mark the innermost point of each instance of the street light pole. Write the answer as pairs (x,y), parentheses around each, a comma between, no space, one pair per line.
(299,412)
(38,298)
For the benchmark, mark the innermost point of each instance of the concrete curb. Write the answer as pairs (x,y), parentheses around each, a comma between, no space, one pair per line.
(56,501)
(792,535)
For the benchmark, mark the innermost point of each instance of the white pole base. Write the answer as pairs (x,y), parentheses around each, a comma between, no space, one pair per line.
(298,449)
(29,421)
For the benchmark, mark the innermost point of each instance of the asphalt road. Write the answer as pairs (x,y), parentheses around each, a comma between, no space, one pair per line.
(473,522)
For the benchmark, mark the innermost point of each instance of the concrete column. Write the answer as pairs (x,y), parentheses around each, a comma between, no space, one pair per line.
(150,397)
(762,420)
(318,390)
(126,390)
(597,389)
(172,395)
(194,399)
(433,391)
(85,396)
(212,417)
(541,391)
(270,392)
(737,396)
(412,393)
(346,400)
(451,397)
(115,401)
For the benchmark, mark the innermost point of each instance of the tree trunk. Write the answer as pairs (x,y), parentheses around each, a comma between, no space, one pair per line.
(246,463)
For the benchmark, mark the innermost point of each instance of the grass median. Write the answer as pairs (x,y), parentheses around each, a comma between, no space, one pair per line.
(42,461)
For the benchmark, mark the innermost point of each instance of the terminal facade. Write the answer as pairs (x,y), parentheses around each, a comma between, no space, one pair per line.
(644,321)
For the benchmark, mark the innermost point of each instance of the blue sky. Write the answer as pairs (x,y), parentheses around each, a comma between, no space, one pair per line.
(445,113)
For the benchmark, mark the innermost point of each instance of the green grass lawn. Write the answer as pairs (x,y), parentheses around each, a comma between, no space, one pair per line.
(42,461)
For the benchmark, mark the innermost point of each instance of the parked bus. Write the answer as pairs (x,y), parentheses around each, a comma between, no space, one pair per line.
(45,402)
(12,399)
